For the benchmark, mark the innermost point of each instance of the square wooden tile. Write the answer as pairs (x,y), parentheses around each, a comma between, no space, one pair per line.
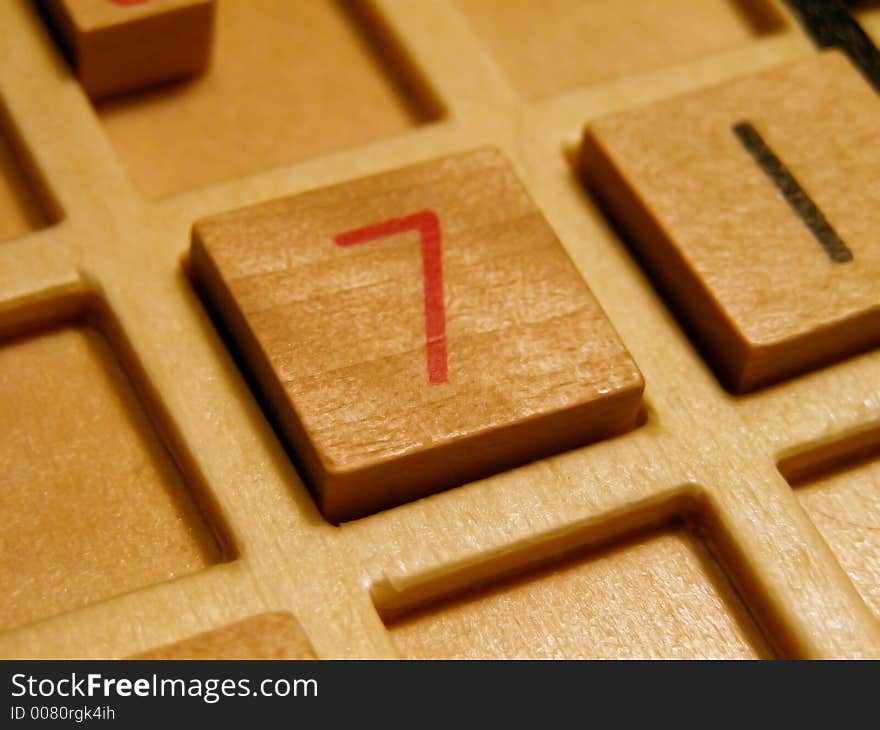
(415,330)
(754,205)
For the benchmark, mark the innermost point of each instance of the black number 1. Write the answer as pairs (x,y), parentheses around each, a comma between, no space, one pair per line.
(795,195)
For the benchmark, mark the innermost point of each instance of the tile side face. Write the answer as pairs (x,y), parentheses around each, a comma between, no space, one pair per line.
(336,336)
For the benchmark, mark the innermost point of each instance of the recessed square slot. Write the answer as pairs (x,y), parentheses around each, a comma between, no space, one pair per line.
(275,635)
(868,15)
(21,211)
(287,81)
(547,47)
(93,505)
(659,594)
(844,505)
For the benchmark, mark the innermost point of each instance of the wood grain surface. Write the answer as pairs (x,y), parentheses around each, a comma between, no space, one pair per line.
(267,636)
(92,504)
(310,85)
(549,47)
(307,96)
(337,336)
(742,267)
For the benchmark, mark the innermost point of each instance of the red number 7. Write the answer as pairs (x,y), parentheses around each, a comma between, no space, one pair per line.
(427,225)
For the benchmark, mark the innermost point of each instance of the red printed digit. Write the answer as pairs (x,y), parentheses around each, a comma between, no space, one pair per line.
(427,225)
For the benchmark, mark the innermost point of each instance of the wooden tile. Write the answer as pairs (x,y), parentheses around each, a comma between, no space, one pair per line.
(92,504)
(314,83)
(844,504)
(868,15)
(276,635)
(415,330)
(548,46)
(754,206)
(660,595)
(120,46)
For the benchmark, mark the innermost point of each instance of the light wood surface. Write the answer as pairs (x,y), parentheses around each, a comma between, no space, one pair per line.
(311,85)
(869,18)
(92,504)
(845,507)
(267,636)
(521,362)
(20,210)
(547,47)
(119,46)
(700,452)
(657,596)
(743,268)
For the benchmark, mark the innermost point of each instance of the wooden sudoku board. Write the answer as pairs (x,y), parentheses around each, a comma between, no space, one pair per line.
(153,505)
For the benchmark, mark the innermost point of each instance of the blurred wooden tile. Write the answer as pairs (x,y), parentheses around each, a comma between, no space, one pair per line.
(415,330)
(120,46)
(92,504)
(660,595)
(548,46)
(276,635)
(844,504)
(754,204)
